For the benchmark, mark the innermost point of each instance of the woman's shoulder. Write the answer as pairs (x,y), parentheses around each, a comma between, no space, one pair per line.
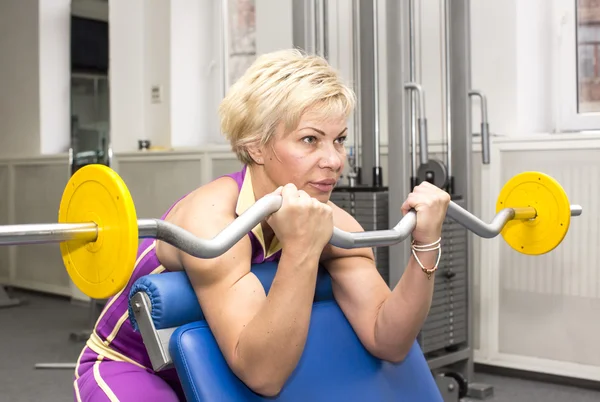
(224,186)
(203,212)
(219,195)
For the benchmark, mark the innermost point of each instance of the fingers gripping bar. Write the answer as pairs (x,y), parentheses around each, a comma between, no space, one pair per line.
(99,232)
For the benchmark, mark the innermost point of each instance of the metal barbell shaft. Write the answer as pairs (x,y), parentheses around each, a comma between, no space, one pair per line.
(576,210)
(210,248)
(487,230)
(493,229)
(39,233)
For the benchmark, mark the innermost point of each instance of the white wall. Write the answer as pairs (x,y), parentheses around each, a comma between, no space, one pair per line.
(194,74)
(429,31)
(494,61)
(19,78)
(535,87)
(513,56)
(139,59)
(512,63)
(34,76)
(127,93)
(55,75)
(173,46)
(156,69)
(273,33)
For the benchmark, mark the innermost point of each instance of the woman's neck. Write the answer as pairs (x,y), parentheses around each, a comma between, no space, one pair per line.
(261,186)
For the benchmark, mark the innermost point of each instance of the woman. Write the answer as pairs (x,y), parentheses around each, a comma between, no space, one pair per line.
(286,122)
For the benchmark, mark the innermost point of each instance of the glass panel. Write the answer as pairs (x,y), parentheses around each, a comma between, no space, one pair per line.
(89,119)
(588,56)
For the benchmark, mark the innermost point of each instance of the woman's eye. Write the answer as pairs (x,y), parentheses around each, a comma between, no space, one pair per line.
(342,140)
(310,139)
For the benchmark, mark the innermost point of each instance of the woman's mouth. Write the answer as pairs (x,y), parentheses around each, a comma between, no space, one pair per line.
(324,186)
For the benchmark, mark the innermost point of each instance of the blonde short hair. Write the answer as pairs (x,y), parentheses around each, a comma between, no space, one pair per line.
(277,89)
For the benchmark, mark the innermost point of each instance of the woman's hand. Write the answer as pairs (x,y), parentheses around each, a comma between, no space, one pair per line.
(302,222)
(430,203)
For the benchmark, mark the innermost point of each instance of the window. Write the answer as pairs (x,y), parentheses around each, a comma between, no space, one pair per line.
(241,32)
(235,22)
(577,65)
(588,56)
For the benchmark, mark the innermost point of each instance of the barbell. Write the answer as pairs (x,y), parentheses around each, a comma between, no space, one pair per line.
(98,229)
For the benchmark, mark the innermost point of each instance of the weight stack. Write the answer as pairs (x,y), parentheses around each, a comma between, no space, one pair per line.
(446,325)
(369,206)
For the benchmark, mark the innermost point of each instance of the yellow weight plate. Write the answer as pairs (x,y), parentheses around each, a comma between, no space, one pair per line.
(102,268)
(546,195)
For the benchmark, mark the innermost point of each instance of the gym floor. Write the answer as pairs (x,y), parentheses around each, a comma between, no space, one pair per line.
(39,330)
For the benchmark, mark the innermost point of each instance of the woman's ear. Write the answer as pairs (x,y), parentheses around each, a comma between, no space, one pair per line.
(256,152)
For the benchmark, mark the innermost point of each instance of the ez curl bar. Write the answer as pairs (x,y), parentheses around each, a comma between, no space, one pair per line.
(98,229)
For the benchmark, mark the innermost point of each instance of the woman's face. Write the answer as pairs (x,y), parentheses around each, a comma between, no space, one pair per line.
(312,157)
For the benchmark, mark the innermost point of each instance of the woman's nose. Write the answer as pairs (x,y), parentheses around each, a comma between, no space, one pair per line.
(332,159)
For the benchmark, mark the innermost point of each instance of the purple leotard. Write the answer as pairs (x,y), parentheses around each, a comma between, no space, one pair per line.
(114,364)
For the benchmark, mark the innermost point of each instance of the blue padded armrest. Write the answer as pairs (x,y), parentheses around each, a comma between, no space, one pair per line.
(334,367)
(174,302)
(172,298)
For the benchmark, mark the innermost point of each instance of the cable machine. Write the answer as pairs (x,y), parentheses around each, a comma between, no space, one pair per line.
(446,337)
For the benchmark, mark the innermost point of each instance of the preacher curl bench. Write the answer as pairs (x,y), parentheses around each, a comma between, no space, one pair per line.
(334,366)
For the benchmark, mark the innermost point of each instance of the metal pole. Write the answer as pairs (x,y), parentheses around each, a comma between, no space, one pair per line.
(485,127)
(377,174)
(412,79)
(320,28)
(47,233)
(65,366)
(356,164)
(447,92)
(324,28)
(421,120)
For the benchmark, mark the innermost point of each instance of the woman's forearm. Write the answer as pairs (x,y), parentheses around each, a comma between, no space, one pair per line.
(402,315)
(271,345)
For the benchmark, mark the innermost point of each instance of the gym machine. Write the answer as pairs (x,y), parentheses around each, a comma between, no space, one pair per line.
(446,337)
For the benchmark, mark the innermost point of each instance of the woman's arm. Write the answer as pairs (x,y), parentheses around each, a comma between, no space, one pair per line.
(261,336)
(387,321)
